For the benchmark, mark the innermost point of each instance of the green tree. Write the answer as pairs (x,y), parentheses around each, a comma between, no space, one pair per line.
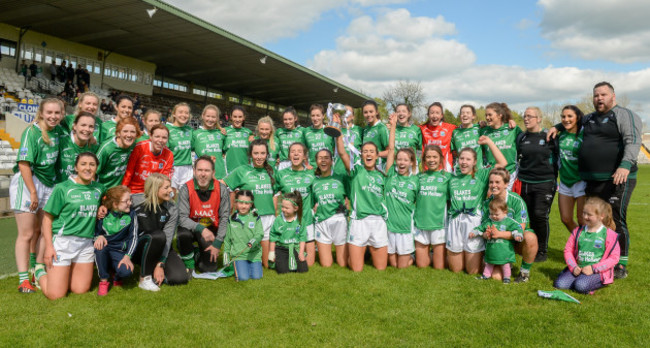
(451,118)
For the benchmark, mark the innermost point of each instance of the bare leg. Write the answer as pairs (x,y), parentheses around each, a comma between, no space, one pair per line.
(310,247)
(580,206)
(265,253)
(439,259)
(422,259)
(379,257)
(356,257)
(456,261)
(325,254)
(404,261)
(529,250)
(81,276)
(55,283)
(25,223)
(473,262)
(392,260)
(342,255)
(566,204)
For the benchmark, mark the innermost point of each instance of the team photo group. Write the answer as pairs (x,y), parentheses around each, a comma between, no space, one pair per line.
(172,203)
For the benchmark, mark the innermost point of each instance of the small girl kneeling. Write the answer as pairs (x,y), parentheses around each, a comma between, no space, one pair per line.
(288,237)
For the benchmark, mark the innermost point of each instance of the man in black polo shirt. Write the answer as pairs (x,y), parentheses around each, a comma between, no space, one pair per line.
(607,159)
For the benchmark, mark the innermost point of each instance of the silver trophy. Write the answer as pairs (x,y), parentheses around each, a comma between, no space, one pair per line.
(333,129)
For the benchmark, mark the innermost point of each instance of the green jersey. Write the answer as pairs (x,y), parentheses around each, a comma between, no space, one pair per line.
(504,138)
(500,251)
(355,135)
(107,130)
(466,193)
(41,156)
(367,192)
(400,193)
(68,157)
(377,134)
(288,180)
(286,232)
(286,138)
(316,140)
(467,137)
(516,209)
(74,208)
(431,200)
(114,222)
(258,181)
(236,147)
(68,122)
(570,144)
(241,229)
(209,142)
(329,193)
(591,247)
(408,136)
(143,137)
(112,163)
(180,144)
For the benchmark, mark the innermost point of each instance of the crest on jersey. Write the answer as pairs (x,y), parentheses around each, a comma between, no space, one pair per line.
(251,224)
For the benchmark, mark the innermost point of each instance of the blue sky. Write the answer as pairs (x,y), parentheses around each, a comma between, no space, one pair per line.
(543,53)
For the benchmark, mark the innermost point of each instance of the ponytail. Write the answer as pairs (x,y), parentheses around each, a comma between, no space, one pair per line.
(41,122)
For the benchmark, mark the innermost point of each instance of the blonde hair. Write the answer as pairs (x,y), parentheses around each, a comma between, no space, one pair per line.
(83,96)
(215,108)
(604,208)
(151,187)
(41,122)
(537,110)
(269,120)
(172,119)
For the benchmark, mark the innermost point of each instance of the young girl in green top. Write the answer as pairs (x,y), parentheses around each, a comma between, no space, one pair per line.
(571,188)
(180,144)
(288,237)
(151,118)
(243,237)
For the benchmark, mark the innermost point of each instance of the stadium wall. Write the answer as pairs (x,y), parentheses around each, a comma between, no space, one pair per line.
(131,74)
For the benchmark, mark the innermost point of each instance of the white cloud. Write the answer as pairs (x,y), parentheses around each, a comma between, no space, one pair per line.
(617,31)
(263,21)
(394,46)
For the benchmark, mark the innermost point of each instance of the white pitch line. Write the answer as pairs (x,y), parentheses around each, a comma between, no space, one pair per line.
(8,275)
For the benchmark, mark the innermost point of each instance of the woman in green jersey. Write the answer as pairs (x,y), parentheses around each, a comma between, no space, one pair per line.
(80,140)
(291,133)
(151,118)
(88,102)
(375,131)
(33,181)
(180,143)
(466,194)
(367,224)
(466,135)
(259,179)
(407,135)
(517,210)
(266,130)
(572,187)
(298,178)
(498,116)
(237,140)
(331,224)
(68,231)
(314,137)
(400,190)
(114,154)
(208,139)
(124,110)
(431,210)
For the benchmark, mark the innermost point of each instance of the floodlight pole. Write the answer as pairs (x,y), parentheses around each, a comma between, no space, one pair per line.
(23,31)
(105,56)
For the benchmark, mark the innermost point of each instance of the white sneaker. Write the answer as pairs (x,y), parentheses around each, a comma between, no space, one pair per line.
(147,284)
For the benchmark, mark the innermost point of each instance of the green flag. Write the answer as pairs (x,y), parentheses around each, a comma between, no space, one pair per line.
(557,295)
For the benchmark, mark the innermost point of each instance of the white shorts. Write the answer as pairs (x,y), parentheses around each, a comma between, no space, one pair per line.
(19,195)
(267,223)
(370,230)
(513,177)
(400,243)
(458,231)
(433,237)
(576,190)
(182,174)
(73,249)
(284,164)
(311,234)
(333,230)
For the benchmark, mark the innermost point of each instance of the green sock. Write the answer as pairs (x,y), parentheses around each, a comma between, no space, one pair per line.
(188,260)
(525,267)
(39,270)
(623,261)
(22,276)
(32,260)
